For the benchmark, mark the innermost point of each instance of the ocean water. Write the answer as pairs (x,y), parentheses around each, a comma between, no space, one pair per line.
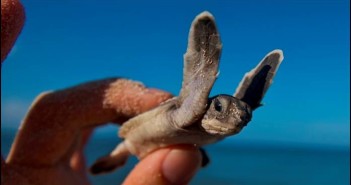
(240,163)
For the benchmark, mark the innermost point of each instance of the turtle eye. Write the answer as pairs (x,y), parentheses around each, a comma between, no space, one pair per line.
(217,105)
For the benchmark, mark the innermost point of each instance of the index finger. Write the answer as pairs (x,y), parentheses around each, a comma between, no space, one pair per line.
(57,118)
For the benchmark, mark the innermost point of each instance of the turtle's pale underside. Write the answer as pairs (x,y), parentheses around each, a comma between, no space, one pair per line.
(192,117)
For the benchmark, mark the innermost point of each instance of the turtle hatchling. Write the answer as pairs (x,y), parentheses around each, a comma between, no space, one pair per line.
(193,117)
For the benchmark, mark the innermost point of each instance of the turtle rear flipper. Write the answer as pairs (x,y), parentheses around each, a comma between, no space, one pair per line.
(205,159)
(117,158)
(255,83)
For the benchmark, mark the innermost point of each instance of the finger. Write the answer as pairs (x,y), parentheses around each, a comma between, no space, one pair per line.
(130,98)
(173,165)
(58,117)
(12,20)
(78,161)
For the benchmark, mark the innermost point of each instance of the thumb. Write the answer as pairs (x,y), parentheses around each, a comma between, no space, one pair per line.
(167,166)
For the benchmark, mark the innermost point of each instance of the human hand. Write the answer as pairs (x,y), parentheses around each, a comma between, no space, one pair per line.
(49,146)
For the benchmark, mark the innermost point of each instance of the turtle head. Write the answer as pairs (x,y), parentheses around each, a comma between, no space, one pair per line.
(226,115)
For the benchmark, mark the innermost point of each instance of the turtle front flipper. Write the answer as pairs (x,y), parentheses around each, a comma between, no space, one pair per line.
(200,69)
(255,83)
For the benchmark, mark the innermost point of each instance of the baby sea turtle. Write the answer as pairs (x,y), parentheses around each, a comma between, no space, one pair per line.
(192,117)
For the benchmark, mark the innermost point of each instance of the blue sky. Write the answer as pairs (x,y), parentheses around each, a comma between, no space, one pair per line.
(64,43)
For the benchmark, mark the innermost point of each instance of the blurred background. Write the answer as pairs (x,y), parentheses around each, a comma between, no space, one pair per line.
(300,136)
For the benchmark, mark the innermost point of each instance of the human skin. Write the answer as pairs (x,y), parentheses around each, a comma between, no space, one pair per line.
(34,160)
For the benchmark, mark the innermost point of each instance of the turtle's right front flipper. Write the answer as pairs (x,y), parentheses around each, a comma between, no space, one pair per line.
(200,69)
(255,83)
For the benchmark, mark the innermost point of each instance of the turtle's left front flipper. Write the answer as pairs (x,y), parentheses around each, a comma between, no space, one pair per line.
(201,62)
(255,83)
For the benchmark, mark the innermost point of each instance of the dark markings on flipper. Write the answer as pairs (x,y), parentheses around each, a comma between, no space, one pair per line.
(256,82)
(255,90)
(205,159)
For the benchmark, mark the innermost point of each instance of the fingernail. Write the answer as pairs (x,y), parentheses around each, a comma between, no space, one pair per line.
(180,165)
